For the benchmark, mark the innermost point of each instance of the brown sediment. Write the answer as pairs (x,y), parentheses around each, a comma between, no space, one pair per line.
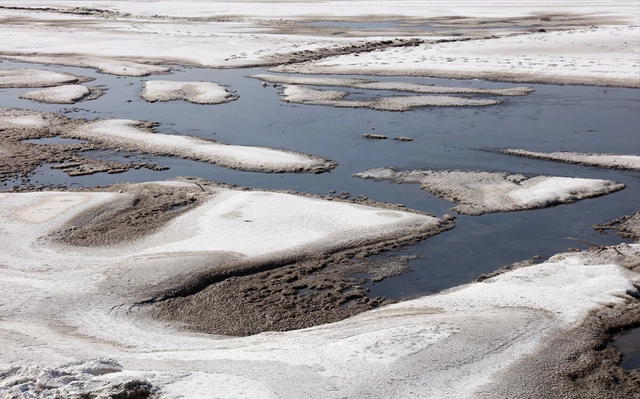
(627,226)
(296,296)
(147,208)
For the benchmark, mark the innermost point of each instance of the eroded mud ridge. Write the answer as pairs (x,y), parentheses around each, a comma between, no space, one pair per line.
(19,159)
(627,226)
(292,297)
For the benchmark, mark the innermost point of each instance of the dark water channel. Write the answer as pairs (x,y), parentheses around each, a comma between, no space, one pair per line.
(553,118)
(629,344)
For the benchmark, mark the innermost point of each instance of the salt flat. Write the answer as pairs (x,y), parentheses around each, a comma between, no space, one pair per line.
(240,33)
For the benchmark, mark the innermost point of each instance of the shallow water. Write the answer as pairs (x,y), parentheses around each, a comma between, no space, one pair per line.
(629,344)
(553,118)
(54,140)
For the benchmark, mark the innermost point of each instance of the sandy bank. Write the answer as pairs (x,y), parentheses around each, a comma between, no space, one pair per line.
(137,136)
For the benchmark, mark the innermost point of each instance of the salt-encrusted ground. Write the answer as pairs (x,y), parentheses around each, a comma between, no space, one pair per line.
(602,56)
(241,33)
(77,303)
(485,192)
(194,92)
(36,78)
(620,161)
(68,94)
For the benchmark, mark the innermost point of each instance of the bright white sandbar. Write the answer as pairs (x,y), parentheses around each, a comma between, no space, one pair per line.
(35,78)
(194,92)
(68,94)
(484,192)
(602,160)
(127,133)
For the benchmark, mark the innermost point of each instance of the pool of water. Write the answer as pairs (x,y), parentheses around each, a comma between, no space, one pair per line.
(553,118)
(54,140)
(629,344)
